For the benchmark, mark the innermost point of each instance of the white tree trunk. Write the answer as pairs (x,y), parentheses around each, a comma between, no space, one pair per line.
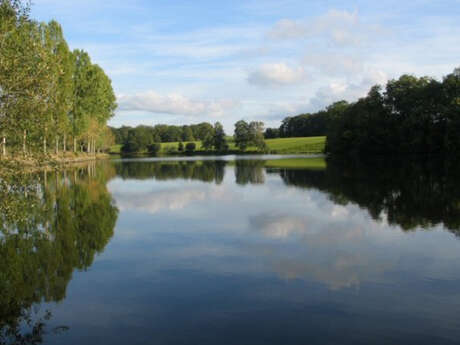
(24,138)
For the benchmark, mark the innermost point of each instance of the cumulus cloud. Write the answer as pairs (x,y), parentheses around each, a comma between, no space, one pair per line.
(176,104)
(339,90)
(276,74)
(342,27)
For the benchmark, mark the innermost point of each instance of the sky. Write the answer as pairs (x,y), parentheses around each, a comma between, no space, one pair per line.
(182,62)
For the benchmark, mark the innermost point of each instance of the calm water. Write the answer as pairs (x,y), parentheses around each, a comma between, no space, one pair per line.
(224,251)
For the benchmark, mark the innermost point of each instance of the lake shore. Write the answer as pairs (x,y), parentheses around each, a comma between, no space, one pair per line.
(32,162)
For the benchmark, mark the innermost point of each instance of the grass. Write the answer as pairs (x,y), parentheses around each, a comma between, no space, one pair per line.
(297,163)
(281,145)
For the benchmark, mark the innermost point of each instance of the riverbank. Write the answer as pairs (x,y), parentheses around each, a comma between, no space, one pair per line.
(11,164)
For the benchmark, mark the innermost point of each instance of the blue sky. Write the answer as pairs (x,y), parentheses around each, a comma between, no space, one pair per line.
(179,62)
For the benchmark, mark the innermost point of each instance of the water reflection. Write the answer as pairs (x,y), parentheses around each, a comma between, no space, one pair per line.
(258,251)
(51,223)
(408,193)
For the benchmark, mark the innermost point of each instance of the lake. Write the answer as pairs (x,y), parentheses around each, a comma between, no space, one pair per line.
(232,250)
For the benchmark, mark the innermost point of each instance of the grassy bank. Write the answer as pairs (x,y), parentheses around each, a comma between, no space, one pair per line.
(281,145)
(39,160)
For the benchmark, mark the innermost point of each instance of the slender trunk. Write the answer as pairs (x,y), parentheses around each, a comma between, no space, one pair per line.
(4,146)
(88,149)
(64,144)
(24,138)
(74,145)
(57,144)
(44,142)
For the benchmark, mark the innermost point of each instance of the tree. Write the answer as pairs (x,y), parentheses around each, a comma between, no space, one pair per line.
(256,130)
(180,147)
(154,149)
(219,142)
(187,133)
(251,134)
(272,133)
(242,135)
(190,147)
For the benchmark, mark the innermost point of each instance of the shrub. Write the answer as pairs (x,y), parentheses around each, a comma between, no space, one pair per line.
(154,149)
(190,147)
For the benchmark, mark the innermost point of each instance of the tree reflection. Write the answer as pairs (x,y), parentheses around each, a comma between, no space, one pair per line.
(205,171)
(409,193)
(50,225)
(249,172)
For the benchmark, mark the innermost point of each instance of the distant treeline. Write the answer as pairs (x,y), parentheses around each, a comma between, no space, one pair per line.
(163,133)
(409,115)
(51,99)
(148,138)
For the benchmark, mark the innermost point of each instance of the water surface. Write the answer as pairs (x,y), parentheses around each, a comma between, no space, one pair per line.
(273,250)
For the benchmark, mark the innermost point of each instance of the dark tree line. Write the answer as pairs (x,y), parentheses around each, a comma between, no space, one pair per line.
(307,125)
(409,115)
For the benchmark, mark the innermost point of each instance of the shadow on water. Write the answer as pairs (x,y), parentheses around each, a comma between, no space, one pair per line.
(51,224)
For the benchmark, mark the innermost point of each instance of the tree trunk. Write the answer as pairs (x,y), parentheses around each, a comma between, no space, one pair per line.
(57,144)
(64,144)
(24,138)
(88,149)
(4,146)
(44,142)
(74,145)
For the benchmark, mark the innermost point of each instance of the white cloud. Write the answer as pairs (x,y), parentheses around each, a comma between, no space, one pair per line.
(276,74)
(174,103)
(342,27)
(343,90)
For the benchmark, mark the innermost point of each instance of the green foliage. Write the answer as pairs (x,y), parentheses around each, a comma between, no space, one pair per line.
(180,147)
(411,115)
(165,133)
(249,134)
(219,139)
(190,147)
(47,93)
(154,149)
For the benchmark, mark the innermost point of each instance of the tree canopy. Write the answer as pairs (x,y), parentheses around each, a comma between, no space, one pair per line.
(49,96)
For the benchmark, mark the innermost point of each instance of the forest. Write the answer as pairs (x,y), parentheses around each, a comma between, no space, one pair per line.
(408,115)
(52,100)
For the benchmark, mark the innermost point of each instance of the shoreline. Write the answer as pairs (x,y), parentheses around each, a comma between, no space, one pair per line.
(31,163)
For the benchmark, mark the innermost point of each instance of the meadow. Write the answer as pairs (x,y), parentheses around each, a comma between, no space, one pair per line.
(312,145)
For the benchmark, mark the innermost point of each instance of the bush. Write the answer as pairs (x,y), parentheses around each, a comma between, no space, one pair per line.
(180,148)
(190,147)
(154,149)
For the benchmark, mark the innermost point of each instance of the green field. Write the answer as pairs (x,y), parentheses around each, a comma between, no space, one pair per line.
(298,163)
(281,145)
